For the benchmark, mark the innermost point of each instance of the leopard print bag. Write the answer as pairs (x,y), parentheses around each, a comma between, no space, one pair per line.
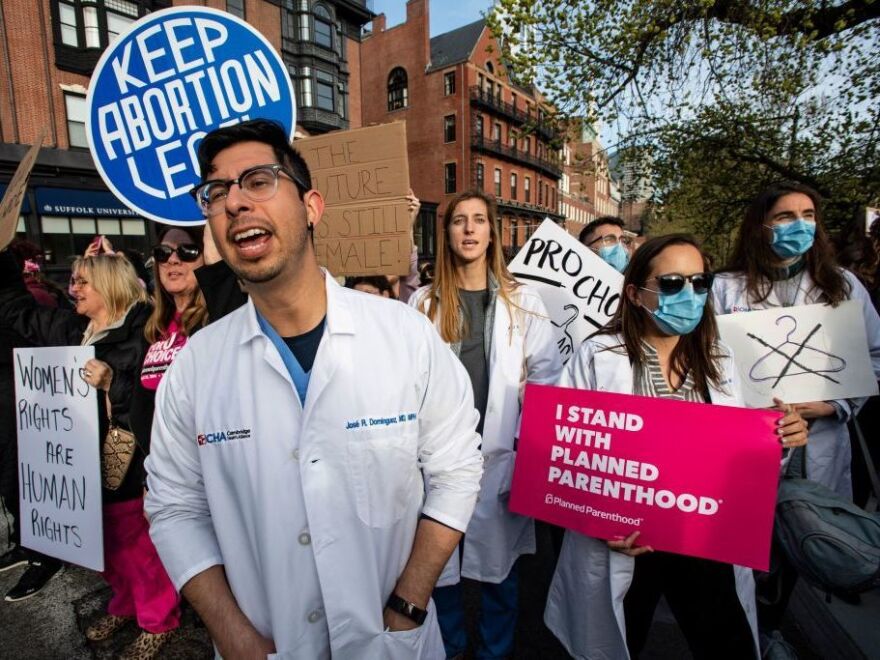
(116,455)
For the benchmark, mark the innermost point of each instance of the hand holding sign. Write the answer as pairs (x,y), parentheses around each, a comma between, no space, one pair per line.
(10,206)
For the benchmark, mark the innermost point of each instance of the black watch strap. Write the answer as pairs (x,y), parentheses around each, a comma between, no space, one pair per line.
(406,608)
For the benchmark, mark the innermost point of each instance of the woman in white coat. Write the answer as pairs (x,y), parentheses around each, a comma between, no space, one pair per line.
(501,332)
(661,342)
(783,257)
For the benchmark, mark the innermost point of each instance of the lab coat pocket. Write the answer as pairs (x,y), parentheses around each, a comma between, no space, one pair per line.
(383,471)
(423,643)
(500,475)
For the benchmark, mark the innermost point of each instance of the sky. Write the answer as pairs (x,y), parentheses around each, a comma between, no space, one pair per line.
(445,15)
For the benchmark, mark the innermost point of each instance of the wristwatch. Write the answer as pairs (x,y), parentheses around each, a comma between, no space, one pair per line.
(407,609)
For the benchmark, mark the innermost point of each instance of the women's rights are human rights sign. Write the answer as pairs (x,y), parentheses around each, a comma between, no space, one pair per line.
(176,75)
(693,478)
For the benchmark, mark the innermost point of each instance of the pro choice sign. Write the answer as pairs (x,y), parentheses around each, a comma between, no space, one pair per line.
(176,75)
(693,478)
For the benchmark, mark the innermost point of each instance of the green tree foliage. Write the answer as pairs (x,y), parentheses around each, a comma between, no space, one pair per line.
(726,95)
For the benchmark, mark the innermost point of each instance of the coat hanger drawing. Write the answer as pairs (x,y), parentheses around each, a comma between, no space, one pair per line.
(793,357)
(566,342)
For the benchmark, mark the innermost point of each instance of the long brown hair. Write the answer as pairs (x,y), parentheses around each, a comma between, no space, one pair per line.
(696,352)
(443,293)
(193,317)
(753,256)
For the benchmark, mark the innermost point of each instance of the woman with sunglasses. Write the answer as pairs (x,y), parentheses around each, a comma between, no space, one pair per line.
(661,342)
(179,310)
(783,257)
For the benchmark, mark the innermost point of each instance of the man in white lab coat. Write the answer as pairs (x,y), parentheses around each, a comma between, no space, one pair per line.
(291,437)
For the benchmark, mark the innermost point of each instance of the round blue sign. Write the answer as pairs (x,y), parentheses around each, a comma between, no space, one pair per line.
(176,75)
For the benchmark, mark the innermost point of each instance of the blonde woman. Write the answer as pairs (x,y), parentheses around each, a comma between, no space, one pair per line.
(501,332)
(111,312)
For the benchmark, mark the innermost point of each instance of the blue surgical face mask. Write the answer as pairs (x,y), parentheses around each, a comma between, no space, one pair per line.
(792,239)
(615,256)
(680,313)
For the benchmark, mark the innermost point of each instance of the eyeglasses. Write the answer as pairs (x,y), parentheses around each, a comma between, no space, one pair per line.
(78,282)
(186,252)
(609,240)
(259,184)
(672,283)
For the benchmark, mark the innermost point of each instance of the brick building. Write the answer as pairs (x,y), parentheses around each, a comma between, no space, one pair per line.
(48,50)
(468,125)
(586,188)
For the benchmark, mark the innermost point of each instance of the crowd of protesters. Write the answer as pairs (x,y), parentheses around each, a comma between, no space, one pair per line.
(321,533)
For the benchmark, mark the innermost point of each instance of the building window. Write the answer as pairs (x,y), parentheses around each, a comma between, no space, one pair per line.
(540,194)
(449,128)
(235,7)
(398,93)
(511,137)
(527,145)
(94,23)
(513,100)
(513,185)
(449,83)
(324,91)
(490,68)
(527,189)
(76,120)
(68,24)
(480,176)
(497,182)
(449,177)
(478,126)
(496,132)
(323,27)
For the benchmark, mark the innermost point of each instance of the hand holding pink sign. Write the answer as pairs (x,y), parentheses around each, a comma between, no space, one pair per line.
(694,479)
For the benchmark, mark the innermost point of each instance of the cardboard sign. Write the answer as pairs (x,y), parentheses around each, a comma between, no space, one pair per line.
(581,292)
(606,465)
(363,175)
(801,353)
(10,206)
(157,90)
(58,455)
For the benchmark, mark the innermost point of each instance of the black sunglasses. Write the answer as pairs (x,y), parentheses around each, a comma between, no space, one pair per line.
(186,252)
(672,283)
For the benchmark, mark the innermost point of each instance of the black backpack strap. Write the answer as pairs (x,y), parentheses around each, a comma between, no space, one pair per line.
(871,505)
(797,463)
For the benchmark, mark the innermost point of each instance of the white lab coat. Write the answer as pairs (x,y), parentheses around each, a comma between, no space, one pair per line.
(523,349)
(585,603)
(311,512)
(829,455)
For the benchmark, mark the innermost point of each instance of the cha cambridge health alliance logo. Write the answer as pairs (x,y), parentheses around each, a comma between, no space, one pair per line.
(176,75)
(218,437)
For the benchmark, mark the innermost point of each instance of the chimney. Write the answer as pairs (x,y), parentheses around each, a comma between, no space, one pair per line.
(417,10)
(379,24)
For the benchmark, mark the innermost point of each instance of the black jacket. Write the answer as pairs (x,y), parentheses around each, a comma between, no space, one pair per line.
(123,349)
(222,295)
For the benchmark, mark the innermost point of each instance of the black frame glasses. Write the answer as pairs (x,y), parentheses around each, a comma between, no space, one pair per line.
(186,252)
(258,184)
(672,283)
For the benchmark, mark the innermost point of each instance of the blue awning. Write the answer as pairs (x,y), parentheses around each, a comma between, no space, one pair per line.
(25,204)
(81,203)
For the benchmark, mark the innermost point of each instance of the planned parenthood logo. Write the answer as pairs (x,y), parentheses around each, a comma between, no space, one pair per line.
(176,75)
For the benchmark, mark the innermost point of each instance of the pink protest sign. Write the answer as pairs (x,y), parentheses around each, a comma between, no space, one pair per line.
(694,479)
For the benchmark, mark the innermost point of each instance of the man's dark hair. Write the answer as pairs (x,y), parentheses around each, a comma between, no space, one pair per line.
(598,222)
(380,282)
(258,130)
